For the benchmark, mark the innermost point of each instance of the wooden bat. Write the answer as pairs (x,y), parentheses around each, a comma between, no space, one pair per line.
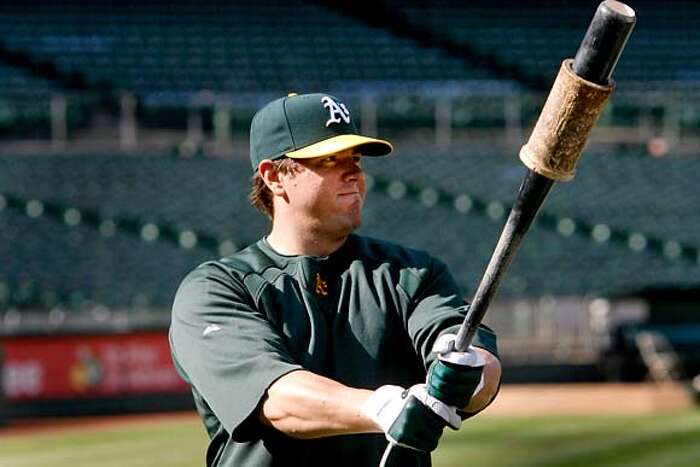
(575,102)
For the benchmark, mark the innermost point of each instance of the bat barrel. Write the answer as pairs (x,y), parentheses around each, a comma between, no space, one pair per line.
(604,41)
(595,61)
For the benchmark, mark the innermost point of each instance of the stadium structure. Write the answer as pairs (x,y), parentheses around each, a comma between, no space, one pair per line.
(124,164)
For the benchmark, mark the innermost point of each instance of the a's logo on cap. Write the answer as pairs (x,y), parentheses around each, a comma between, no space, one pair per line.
(337,110)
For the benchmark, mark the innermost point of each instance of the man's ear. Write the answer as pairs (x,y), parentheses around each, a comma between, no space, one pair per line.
(271,177)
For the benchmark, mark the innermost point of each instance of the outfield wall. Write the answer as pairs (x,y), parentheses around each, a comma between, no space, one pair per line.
(3,410)
(90,373)
(102,373)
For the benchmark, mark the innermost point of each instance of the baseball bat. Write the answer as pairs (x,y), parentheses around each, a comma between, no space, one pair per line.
(573,106)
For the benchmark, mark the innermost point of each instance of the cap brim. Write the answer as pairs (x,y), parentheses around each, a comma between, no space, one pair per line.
(366,146)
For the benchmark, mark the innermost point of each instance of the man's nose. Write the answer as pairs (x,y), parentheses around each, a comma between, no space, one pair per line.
(352,170)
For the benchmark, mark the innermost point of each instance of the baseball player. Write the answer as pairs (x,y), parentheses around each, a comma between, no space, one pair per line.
(314,346)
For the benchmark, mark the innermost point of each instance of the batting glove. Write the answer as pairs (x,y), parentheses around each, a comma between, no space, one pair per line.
(455,376)
(410,418)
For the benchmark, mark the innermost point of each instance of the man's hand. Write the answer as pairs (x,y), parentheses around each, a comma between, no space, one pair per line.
(455,376)
(410,418)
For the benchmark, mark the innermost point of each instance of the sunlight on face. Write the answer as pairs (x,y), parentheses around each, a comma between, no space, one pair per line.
(329,193)
(331,162)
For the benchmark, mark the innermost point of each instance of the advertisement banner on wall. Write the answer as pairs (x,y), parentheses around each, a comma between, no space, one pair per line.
(70,367)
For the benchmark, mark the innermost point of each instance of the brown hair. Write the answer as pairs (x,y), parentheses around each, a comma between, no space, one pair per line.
(260,195)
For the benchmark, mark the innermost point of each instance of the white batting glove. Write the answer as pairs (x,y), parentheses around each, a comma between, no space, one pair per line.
(410,418)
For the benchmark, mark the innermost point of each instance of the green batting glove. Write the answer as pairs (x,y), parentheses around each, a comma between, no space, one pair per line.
(455,376)
(410,418)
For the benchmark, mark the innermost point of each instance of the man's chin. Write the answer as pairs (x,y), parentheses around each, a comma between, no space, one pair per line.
(353,227)
(357,222)
(350,226)
(342,224)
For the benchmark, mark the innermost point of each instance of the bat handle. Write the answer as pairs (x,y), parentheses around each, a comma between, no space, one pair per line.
(532,194)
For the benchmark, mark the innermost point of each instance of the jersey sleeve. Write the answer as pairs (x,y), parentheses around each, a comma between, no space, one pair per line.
(436,307)
(228,349)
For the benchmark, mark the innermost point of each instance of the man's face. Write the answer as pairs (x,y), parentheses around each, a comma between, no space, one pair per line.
(328,192)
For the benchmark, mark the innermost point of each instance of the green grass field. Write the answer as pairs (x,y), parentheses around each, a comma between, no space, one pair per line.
(671,439)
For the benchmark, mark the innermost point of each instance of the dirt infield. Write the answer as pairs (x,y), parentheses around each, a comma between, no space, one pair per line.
(37,426)
(513,400)
(527,399)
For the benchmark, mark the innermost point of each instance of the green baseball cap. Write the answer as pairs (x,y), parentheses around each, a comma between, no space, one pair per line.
(306,126)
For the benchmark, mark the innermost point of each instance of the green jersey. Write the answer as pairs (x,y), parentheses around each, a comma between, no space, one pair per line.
(366,315)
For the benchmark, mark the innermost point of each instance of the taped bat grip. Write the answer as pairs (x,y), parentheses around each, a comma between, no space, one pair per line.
(562,129)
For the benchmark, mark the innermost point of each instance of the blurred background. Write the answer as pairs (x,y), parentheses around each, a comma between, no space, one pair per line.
(124,164)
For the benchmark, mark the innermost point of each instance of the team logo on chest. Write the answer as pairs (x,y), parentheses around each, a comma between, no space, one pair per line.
(321,286)
(338,111)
